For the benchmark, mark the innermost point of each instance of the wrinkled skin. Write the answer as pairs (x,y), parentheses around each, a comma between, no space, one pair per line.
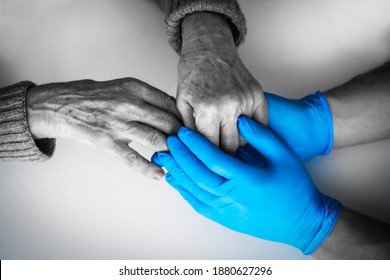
(214,86)
(108,115)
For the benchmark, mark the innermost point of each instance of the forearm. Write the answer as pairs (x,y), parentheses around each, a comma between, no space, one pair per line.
(360,108)
(356,236)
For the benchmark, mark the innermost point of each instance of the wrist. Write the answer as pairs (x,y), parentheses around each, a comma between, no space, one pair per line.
(206,31)
(322,228)
(40,115)
(319,114)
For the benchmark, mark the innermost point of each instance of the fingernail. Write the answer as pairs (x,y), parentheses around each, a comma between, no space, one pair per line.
(159,175)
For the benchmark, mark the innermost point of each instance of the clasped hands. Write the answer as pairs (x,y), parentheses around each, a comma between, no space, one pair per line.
(260,188)
(264,190)
(214,88)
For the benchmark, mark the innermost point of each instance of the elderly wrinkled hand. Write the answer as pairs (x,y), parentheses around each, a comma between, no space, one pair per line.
(276,200)
(108,115)
(214,86)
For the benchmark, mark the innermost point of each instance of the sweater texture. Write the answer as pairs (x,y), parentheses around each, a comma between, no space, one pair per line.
(16,141)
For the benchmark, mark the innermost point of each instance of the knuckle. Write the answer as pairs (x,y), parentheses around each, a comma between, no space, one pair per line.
(128,80)
(132,84)
(231,104)
(205,120)
(255,86)
(132,159)
(167,119)
(87,81)
(169,102)
(146,169)
(135,162)
(156,139)
(207,111)
(224,106)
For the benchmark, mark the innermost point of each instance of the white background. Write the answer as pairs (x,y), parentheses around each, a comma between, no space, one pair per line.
(107,269)
(83,204)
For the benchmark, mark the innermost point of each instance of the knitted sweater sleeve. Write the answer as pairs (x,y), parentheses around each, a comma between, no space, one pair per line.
(16,141)
(176,10)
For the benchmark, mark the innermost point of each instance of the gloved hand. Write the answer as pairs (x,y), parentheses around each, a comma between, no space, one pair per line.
(305,125)
(277,202)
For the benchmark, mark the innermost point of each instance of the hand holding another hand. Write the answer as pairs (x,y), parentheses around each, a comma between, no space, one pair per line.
(277,201)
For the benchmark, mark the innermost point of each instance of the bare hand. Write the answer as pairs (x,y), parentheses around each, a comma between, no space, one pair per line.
(214,86)
(108,115)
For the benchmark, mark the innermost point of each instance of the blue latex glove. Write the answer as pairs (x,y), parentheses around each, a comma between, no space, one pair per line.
(250,155)
(305,125)
(277,202)
(245,153)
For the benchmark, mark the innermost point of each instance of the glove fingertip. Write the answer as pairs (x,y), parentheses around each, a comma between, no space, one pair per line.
(184,130)
(163,157)
(156,160)
(244,126)
(242,121)
(172,142)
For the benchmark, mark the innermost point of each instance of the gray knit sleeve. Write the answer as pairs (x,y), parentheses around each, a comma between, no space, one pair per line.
(176,10)
(16,141)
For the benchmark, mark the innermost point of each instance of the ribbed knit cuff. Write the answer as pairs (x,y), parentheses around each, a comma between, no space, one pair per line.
(16,141)
(180,9)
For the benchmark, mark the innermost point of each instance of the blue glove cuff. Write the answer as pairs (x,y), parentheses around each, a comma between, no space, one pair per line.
(328,116)
(318,100)
(332,211)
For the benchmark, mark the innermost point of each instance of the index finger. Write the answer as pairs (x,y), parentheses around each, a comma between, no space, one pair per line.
(194,168)
(216,160)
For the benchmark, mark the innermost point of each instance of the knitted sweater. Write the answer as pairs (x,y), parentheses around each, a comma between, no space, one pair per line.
(16,141)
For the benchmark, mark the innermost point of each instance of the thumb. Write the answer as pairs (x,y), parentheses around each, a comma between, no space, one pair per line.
(264,140)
